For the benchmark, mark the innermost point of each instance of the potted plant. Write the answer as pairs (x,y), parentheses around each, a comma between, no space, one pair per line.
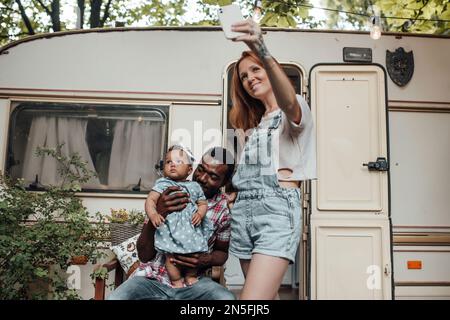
(40,232)
(125,224)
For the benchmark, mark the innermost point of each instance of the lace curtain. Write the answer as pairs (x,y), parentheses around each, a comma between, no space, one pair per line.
(135,151)
(46,131)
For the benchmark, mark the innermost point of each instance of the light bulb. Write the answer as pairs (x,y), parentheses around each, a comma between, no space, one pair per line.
(375,32)
(375,29)
(257,11)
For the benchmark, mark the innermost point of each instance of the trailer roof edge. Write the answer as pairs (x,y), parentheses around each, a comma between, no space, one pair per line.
(197,28)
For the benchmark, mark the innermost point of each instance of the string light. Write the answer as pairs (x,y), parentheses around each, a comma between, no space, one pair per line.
(375,28)
(369,16)
(257,11)
(375,19)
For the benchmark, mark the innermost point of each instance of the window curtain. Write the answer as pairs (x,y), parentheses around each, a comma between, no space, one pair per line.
(136,149)
(49,132)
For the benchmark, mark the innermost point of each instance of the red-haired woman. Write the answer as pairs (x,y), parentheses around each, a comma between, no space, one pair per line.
(278,154)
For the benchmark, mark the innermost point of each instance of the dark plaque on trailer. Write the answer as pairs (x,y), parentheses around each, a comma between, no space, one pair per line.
(400,66)
(357,54)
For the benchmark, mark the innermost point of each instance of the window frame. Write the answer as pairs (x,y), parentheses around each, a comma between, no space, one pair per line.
(18,106)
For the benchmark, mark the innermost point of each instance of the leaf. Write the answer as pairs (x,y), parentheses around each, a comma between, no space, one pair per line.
(76,187)
(414,5)
(224,2)
(291,21)
(265,18)
(272,21)
(283,22)
(446,15)
(211,2)
(303,12)
(41,273)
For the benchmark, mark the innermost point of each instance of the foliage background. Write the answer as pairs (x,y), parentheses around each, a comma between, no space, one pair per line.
(20,18)
(41,232)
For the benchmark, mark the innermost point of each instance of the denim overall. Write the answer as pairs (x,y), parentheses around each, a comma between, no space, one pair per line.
(265,217)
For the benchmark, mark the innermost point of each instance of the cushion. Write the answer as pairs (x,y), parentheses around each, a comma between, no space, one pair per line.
(126,254)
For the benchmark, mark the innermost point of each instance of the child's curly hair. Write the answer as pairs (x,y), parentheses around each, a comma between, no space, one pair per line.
(184,149)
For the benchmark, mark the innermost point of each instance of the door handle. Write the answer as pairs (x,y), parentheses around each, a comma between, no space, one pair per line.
(380,165)
(387,270)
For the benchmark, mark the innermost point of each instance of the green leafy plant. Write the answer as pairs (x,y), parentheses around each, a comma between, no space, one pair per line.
(40,232)
(133,216)
(100,273)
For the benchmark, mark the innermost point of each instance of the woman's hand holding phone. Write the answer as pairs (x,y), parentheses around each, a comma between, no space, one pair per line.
(251,34)
(237,29)
(228,15)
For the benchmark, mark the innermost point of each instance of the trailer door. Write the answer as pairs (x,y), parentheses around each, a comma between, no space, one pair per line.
(350,238)
(4,118)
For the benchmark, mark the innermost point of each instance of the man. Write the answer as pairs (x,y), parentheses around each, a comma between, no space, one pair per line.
(151,281)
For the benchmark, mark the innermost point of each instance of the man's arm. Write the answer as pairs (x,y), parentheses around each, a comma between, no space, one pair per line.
(145,244)
(167,203)
(217,257)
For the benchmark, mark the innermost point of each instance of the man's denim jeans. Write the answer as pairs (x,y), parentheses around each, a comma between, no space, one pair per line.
(143,288)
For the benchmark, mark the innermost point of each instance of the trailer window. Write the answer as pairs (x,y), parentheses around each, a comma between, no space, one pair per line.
(122,144)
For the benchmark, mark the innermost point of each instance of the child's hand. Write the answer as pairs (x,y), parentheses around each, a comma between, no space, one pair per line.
(196,219)
(231,198)
(156,219)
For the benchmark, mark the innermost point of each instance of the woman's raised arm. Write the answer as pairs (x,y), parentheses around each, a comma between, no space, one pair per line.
(282,88)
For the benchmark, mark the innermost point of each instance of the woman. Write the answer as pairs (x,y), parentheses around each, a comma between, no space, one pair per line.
(278,154)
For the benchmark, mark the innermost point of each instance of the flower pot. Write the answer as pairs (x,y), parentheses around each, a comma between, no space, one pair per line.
(79,260)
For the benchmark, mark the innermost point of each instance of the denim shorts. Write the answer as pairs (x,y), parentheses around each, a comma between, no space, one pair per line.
(266,221)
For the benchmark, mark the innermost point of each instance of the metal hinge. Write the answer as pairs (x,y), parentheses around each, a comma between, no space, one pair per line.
(305,236)
(305,233)
(306,198)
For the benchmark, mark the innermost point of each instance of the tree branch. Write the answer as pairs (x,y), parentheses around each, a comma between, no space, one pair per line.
(106,13)
(94,19)
(45,7)
(7,9)
(25,18)
(418,14)
(81,5)
(56,21)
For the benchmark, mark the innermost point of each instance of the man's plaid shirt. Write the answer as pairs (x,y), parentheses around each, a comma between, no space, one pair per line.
(218,213)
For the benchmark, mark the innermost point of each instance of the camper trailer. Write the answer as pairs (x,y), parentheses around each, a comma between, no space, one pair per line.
(376,222)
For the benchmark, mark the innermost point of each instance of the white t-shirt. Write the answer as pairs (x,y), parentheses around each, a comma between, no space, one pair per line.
(294,145)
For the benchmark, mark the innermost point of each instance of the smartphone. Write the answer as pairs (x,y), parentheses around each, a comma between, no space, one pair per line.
(228,15)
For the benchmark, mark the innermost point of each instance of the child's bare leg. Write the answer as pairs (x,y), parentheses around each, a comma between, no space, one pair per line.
(190,276)
(173,272)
